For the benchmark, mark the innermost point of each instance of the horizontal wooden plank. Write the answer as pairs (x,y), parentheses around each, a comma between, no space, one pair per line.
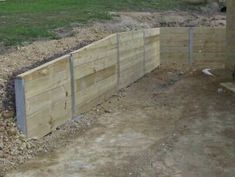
(86,106)
(95,51)
(46,78)
(131,74)
(205,49)
(95,66)
(92,79)
(131,64)
(130,36)
(181,49)
(175,44)
(209,56)
(209,30)
(152,32)
(174,30)
(85,78)
(42,70)
(47,93)
(48,119)
(94,91)
(39,86)
(89,55)
(129,53)
(45,99)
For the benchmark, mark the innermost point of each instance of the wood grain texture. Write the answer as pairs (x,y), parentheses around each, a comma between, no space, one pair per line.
(151,49)
(174,45)
(64,88)
(47,94)
(131,48)
(95,73)
(208,44)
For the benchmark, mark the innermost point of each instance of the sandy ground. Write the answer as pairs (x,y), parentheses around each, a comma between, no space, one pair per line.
(171,123)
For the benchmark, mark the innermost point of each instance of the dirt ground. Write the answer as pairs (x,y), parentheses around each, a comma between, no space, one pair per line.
(15,149)
(171,123)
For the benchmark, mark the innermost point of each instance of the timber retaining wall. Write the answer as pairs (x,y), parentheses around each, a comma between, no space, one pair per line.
(64,88)
(51,94)
(192,45)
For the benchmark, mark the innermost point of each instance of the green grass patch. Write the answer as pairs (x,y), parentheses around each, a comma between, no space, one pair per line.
(29,20)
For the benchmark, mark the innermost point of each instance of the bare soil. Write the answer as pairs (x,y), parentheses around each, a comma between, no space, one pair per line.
(173,122)
(15,149)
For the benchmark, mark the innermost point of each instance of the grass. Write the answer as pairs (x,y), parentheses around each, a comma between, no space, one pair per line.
(29,20)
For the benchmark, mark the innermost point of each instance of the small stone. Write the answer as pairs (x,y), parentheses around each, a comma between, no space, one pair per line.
(1,154)
(108,111)
(22,137)
(23,146)
(12,132)
(2,129)
(34,139)
(181,73)
(40,149)
(1,146)
(220,90)
(7,114)
(28,146)
(14,152)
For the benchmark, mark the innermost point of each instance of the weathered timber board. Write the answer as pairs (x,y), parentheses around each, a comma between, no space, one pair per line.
(151,49)
(95,73)
(203,44)
(131,53)
(47,97)
(64,88)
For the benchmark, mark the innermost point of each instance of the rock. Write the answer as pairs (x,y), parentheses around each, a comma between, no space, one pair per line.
(22,137)
(108,111)
(14,152)
(28,146)
(2,129)
(23,146)
(33,139)
(214,6)
(219,23)
(8,114)
(12,132)
(1,154)
(181,73)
